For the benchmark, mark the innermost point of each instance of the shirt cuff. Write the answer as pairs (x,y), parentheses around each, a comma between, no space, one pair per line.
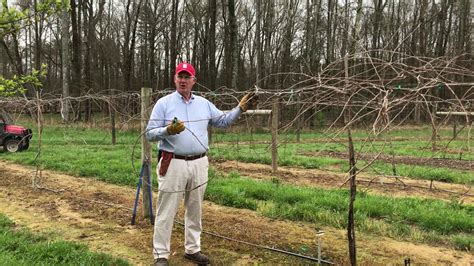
(157,133)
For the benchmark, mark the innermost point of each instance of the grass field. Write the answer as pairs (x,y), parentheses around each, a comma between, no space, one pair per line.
(413,219)
(288,156)
(18,246)
(88,152)
(88,148)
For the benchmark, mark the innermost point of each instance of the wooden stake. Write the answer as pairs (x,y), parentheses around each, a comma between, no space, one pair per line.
(275,112)
(39,173)
(146,151)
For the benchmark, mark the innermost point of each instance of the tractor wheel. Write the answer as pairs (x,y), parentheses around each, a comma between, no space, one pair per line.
(25,146)
(12,145)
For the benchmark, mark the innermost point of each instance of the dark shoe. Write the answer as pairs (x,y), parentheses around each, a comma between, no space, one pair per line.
(197,257)
(161,262)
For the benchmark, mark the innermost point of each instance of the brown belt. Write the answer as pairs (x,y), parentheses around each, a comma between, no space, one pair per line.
(171,155)
(189,157)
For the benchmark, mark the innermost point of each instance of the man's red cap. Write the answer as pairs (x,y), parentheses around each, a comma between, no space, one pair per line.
(186,67)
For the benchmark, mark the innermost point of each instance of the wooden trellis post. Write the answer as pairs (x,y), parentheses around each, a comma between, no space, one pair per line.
(468,120)
(434,130)
(351,237)
(146,152)
(300,120)
(39,166)
(275,113)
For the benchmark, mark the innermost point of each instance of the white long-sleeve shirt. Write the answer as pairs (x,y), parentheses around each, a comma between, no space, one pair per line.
(196,114)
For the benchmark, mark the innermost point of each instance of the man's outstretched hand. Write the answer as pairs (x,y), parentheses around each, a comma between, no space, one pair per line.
(175,127)
(248,101)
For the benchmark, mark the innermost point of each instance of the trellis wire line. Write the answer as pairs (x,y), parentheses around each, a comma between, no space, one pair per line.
(194,135)
(262,246)
(177,191)
(368,85)
(120,206)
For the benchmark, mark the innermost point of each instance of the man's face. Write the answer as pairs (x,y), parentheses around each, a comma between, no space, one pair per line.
(184,83)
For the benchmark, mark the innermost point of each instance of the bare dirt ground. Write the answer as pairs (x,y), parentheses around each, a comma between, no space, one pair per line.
(98,214)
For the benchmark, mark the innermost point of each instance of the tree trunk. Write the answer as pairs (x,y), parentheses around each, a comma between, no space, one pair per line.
(422,32)
(267,52)
(173,40)
(234,44)
(88,29)
(76,47)
(472,30)
(14,54)
(377,25)
(329,32)
(442,32)
(258,43)
(230,35)
(65,63)
(38,33)
(167,80)
(129,42)
(151,75)
(212,44)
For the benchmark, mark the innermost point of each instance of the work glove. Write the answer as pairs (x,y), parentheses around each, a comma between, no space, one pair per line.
(248,101)
(175,127)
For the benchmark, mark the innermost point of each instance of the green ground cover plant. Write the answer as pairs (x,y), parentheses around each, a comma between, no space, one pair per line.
(18,246)
(405,218)
(402,147)
(410,132)
(88,152)
(293,155)
(85,152)
(428,173)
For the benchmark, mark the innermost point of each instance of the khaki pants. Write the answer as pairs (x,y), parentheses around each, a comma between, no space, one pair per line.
(181,175)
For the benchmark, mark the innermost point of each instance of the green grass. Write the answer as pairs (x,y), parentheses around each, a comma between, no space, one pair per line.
(290,155)
(85,152)
(415,133)
(413,148)
(88,152)
(18,246)
(463,242)
(428,173)
(405,218)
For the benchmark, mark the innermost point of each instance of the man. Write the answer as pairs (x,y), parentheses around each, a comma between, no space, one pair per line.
(179,121)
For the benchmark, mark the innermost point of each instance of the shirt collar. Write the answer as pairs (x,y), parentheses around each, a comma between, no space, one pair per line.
(182,98)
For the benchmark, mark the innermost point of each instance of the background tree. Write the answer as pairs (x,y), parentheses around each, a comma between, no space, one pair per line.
(232,43)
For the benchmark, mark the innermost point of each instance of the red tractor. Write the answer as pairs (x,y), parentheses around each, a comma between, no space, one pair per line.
(13,138)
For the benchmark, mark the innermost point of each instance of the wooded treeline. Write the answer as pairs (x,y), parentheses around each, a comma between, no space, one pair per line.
(123,45)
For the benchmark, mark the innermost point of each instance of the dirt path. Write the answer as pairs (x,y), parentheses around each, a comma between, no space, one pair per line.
(98,214)
(380,185)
